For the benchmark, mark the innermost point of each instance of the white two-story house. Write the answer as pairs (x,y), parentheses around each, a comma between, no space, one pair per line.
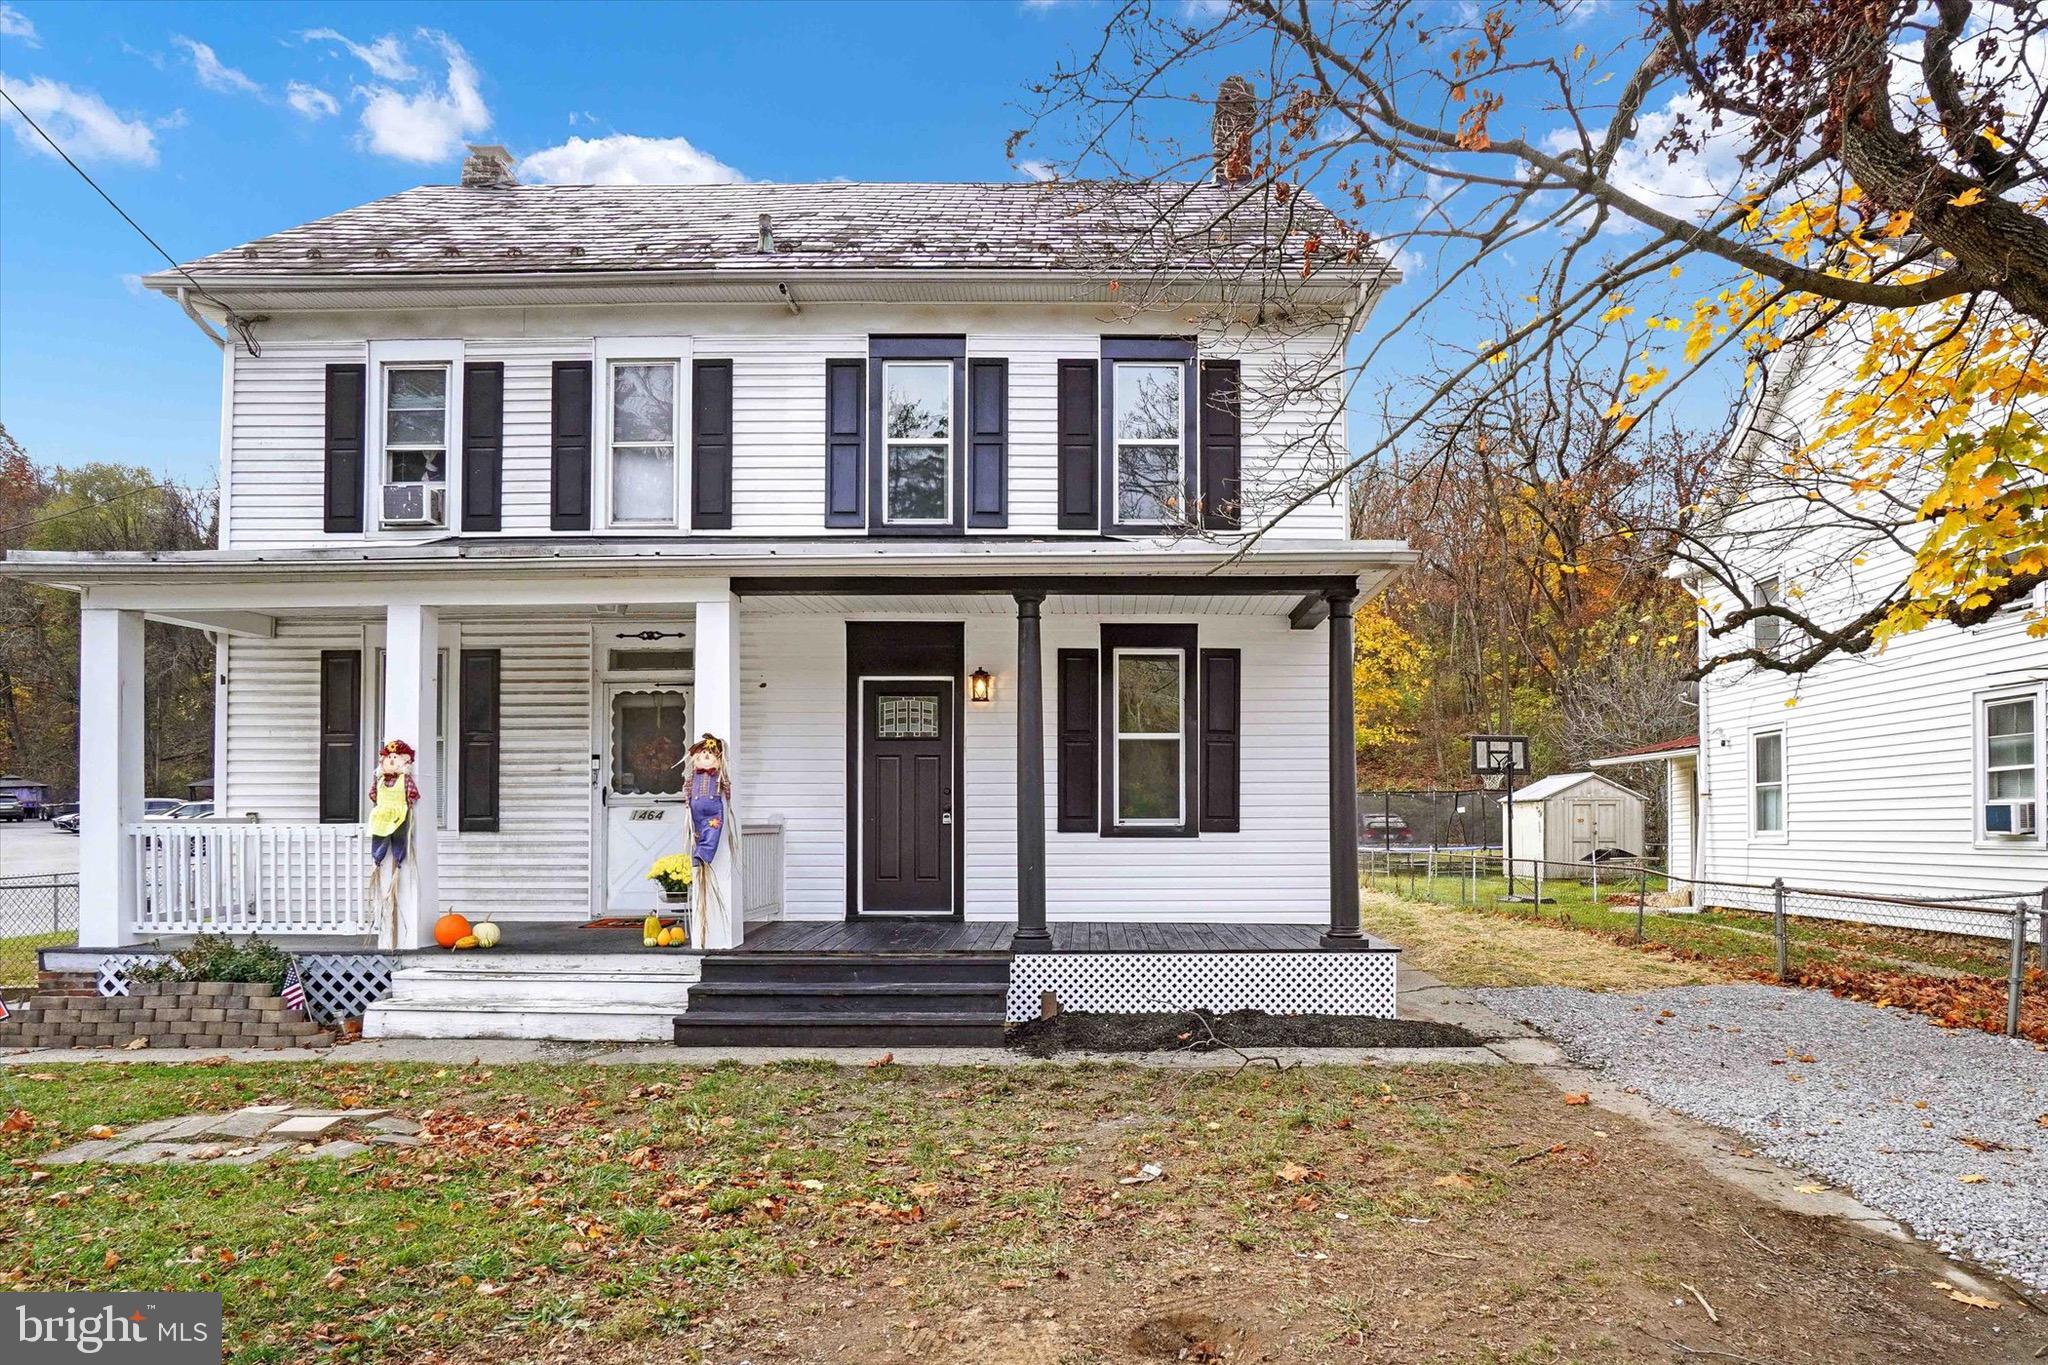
(891,487)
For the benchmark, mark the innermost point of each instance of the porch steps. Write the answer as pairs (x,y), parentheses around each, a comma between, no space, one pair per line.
(847,1000)
(571,997)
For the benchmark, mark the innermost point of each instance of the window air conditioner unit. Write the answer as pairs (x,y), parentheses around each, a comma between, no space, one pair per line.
(415,504)
(2009,817)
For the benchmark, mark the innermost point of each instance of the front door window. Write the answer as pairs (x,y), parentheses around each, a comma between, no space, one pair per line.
(650,732)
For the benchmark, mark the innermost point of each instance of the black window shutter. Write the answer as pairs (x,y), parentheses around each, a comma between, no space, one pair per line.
(569,437)
(483,446)
(1080,746)
(1222,683)
(711,445)
(343,775)
(347,393)
(845,411)
(988,454)
(1077,444)
(1222,424)
(478,726)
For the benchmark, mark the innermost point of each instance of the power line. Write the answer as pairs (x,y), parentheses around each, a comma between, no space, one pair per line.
(165,487)
(125,217)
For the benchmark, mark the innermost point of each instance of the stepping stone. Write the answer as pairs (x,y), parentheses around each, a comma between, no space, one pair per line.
(397,1140)
(405,1127)
(302,1126)
(245,1124)
(153,1154)
(264,1109)
(249,1156)
(334,1151)
(99,1149)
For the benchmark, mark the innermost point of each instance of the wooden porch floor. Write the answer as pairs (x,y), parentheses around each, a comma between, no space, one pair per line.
(993,936)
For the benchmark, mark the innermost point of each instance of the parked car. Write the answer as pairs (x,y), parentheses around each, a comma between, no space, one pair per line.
(1385,829)
(160,807)
(53,809)
(11,809)
(193,810)
(66,823)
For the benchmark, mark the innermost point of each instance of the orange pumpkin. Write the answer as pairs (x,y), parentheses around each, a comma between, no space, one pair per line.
(449,929)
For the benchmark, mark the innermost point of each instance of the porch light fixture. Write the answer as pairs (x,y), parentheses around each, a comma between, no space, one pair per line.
(981,688)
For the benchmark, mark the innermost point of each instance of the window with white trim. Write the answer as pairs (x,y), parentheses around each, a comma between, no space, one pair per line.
(2011,766)
(1149,713)
(917,442)
(1767,631)
(1767,782)
(1149,430)
(416,424)
(643,443)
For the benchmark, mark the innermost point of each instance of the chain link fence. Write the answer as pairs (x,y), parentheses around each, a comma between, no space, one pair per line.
(1401,821)
(35,913)
(1976,959)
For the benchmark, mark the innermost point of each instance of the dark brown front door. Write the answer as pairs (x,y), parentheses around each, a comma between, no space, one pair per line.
(906,797)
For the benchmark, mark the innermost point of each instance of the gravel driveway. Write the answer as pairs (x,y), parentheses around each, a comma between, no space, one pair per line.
(1945,1131)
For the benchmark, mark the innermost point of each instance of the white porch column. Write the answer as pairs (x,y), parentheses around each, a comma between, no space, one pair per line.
(109,772)
(717,705)
(411,656)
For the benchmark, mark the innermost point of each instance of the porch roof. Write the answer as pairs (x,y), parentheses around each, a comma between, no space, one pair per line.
(995,564)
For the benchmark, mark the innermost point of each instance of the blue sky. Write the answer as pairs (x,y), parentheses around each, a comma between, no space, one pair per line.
(211,148)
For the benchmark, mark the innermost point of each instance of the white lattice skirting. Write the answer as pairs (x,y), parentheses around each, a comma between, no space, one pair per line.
(1277,983)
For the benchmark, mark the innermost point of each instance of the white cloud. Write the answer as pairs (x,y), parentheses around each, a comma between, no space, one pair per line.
(385,57)
(429,123)
(624,159)
(1038,170)
(15,24)
(133,284)
(311,101)
(80,121)
(214,73)
(1693,186)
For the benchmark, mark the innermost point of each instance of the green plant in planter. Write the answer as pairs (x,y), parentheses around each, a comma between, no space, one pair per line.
(217,957)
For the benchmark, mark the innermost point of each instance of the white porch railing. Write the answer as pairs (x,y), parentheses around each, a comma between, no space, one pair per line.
(761,846)
(239,877)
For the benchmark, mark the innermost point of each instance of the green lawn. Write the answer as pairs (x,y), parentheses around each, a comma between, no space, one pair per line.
(18,955)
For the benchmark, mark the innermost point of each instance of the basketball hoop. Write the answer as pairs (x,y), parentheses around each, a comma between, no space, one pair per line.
(1493,781)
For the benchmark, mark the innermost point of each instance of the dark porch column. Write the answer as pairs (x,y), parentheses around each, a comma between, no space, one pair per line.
(1344,931)
(1032,935)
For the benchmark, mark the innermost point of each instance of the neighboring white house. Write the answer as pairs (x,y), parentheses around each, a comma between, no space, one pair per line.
(1567,821)
(881,483)
(1915,770)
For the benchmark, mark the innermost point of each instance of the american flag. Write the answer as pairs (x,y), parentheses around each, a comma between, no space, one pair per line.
(294,992)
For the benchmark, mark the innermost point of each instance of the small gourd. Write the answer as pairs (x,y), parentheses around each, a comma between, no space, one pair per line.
(485,933)
(466,941)
(649,932)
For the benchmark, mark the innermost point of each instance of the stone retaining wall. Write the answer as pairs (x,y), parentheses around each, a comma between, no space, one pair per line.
(205,1014)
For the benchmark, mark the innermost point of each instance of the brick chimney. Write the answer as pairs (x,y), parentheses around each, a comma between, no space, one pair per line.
(488,167)
(1231,130)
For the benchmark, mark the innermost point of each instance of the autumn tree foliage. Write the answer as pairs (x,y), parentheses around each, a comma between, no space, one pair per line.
(1850,186)
(96,507)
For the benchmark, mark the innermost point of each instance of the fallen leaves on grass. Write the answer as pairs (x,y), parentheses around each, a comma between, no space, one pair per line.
(1971,1179)
(1580,1097)
(18,1121)
(1963,1296)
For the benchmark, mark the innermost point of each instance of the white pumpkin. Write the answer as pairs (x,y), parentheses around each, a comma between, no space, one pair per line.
(486,934)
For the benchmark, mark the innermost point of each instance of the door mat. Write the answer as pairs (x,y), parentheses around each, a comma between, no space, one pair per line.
(631,922)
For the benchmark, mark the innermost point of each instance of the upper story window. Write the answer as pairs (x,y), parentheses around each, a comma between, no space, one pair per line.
(2011,759)
(1149,709)
(917,441)
(643,443)
(1767,782)
(1767,631)
(1149,427)
(415,445)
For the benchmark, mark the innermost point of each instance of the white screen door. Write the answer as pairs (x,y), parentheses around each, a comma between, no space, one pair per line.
(646,733)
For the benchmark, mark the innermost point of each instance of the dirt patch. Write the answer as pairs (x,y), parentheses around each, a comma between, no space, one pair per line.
(1190,1335)
(1465,948)
(1201,1031)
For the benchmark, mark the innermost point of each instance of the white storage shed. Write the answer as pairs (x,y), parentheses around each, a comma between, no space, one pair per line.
(1567,818)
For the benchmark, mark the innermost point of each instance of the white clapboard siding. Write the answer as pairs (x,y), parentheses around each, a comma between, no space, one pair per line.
(272,767)
(537,863)
(793,756)
(778,427)
(276,456)
(1288,447)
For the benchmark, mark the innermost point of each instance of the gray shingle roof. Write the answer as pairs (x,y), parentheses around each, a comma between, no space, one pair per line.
(1023,226)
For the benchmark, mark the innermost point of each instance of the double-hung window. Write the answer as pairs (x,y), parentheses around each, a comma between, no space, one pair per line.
(1767,782)
(1149,709)
(2012,766)
(416,424)
(917,442)
(643,443)
(1148,431)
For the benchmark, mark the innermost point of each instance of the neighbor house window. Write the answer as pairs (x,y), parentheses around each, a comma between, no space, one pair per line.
(1766,631)
(1148,430)
(2012,757)
(917,441)
(1767,781)
(1151,692)
(643,444)
(416,424)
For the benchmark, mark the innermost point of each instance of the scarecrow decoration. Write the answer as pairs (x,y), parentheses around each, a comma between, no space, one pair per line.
(393,794)
(709,792)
